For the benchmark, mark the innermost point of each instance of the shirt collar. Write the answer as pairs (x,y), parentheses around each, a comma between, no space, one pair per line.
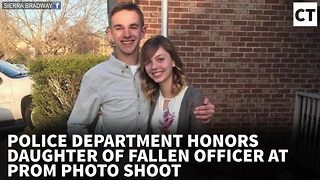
(119,64)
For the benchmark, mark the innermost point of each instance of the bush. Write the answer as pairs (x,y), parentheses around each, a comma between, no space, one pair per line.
(56,86)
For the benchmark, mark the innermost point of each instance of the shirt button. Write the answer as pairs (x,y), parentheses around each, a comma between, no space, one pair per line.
(138,129)
(138,95)
(139,113)
(127,66)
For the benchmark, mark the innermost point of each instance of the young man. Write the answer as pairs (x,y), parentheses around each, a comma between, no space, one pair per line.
(114,85)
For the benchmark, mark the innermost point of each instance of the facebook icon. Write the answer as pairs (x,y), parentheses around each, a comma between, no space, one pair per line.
(56,5)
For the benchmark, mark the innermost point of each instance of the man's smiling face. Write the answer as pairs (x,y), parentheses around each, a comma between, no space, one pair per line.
(126,31)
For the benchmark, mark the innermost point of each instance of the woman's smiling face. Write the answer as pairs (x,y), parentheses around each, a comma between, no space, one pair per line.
(160,67)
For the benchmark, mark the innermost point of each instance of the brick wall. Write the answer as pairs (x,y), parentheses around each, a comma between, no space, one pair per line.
(245,55)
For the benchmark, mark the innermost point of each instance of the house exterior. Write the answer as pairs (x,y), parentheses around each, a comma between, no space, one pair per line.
(245,55)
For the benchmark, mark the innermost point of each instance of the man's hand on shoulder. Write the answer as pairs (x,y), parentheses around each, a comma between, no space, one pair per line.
(205,112)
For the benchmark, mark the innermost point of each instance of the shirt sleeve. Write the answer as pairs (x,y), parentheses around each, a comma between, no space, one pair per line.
(85,108)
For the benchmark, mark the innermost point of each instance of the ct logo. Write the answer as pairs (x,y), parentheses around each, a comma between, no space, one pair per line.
(305,14)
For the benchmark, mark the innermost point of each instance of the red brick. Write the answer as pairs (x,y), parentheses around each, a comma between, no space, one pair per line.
(180,21)
(272,1)
(196,21)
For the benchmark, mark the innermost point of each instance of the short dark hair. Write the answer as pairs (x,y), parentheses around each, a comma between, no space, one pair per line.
(126,6)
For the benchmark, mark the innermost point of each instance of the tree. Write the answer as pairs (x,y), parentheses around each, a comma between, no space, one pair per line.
(7,37)
(72,29)
(78,38)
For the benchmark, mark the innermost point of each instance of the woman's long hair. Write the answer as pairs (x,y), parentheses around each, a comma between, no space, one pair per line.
(150,47)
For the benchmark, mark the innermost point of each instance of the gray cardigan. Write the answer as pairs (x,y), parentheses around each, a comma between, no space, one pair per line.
(187,123)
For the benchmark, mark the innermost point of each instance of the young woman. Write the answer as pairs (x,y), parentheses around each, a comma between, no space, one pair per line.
(164,84)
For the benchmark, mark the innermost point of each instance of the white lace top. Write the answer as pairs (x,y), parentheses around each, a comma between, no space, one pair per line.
(165,121)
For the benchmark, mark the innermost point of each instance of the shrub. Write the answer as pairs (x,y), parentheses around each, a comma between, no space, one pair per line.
(56,86)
